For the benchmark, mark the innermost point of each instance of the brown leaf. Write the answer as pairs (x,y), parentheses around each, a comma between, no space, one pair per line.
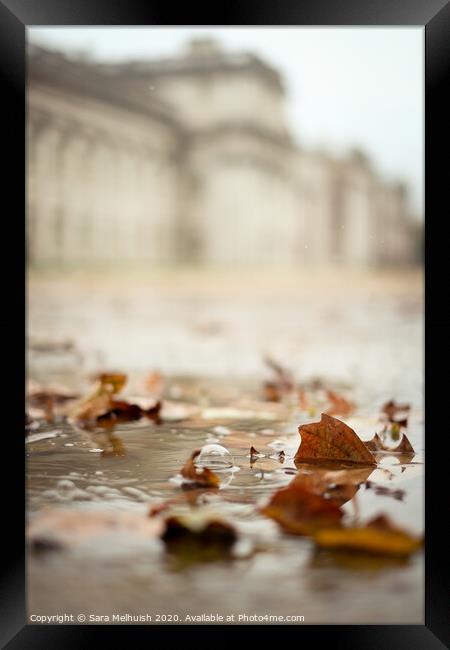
(281,385)
(299,510)
(272,392)
(339,405)
(331,440)
(101,409)
(379,536)
(199,477)
(120,411)
(391,410)
(376,444)
(89,410)
(198,537)
(404,447)
(112,382)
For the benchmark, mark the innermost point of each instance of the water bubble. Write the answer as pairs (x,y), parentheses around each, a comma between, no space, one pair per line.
(214,457)
(65,485)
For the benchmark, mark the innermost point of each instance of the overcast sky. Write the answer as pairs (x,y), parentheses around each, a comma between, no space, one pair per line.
(346,87)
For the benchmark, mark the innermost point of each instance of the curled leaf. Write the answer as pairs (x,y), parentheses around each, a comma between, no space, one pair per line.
(199,477)
(299,510)
(331,440)
(377,444)
(405,447)
(379,536)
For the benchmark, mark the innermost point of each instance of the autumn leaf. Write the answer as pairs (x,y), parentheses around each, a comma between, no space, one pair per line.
(377,444)
(281,385)
(391,410)
(199,477)
(339,405)
(331,440)
(300,511)
(120,411)
(112,382)
(102,409)
(405,447)
(379,536)
(198,537)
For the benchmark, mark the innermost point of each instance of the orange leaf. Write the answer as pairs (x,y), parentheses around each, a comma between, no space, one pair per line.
(300,511)
(112,382)
(379,536)
(331,440)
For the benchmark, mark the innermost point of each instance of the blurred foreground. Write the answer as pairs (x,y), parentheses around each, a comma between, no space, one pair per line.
(98,553)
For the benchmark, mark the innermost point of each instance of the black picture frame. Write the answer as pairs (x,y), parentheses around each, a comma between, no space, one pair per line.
(434,16)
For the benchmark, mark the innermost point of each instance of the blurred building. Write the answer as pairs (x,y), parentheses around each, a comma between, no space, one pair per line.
(190,160)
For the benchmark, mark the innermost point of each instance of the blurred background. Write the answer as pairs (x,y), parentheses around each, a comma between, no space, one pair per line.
(198,198)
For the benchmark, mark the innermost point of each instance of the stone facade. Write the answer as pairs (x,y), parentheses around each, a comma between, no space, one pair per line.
(189,160)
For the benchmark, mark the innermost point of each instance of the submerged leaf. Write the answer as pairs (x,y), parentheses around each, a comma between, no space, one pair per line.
(331,440)
(378,536)
(299,510)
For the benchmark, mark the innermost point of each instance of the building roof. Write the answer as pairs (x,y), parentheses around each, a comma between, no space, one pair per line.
(203,57)
(88,79)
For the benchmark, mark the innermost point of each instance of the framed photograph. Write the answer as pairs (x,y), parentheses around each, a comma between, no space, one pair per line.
(224,274)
